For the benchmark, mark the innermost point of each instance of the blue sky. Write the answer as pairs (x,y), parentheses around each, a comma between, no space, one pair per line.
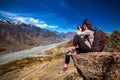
(63,15)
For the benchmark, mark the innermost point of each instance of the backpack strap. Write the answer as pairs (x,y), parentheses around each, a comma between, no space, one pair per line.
(89,41)
(87,38)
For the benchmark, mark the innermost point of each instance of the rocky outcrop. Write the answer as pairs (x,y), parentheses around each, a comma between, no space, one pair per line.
(113,42)
(98,65)
(73,76)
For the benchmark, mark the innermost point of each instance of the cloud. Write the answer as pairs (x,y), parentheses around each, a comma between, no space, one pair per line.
(37,22)
(27,20)
(20,19)
(42,25)
(53,26)
(7,14)
(46,26)
(34,20)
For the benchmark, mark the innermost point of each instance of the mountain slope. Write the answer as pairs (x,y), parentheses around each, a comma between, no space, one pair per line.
(17,36)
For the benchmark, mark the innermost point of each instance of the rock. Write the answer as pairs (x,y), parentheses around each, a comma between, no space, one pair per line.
(113,42)
(98,65)
(73,76)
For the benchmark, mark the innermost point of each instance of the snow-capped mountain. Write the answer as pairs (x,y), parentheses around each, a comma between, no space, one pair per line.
(17,33)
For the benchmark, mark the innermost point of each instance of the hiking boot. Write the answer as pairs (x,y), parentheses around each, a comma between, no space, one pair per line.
(71,52)
(64,69)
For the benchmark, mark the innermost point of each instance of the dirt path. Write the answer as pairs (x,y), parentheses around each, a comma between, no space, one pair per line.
(44,71)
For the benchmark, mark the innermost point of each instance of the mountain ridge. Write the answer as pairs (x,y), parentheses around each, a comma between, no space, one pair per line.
(15,36)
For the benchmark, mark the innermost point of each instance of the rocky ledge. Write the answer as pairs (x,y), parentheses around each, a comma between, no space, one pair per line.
(98,65)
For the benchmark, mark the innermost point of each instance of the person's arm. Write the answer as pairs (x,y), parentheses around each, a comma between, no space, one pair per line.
(86,32)
(78,32)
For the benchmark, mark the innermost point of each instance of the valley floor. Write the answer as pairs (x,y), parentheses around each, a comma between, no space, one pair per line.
(44,71)
(33,52)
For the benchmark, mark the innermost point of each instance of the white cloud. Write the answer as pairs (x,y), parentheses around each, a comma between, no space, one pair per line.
(53,26)
(42,25)
(7,14)
(27,20)
(20,19)
(34,20)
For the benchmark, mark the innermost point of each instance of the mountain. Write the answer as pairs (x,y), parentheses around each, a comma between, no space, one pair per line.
(70,35)
(66,35)
(16,36)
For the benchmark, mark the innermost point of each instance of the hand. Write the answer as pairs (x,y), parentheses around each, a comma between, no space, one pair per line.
(80,29)
(73,47)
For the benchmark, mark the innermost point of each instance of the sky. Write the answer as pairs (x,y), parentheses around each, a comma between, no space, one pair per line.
(63,15)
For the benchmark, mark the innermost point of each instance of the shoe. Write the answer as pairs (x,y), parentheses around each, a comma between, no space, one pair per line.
(64,69)
(71,52)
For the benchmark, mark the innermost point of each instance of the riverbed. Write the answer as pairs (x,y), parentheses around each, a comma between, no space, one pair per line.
(33,52)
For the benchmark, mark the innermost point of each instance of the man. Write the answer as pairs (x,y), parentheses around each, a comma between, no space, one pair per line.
(80,44)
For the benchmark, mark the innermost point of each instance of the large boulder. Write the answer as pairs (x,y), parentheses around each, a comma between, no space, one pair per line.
(98,65)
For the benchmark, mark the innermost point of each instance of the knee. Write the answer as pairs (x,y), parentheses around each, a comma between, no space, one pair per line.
(77,38)
(67,53)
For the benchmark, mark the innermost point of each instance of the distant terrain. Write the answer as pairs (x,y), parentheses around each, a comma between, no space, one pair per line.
(16,36)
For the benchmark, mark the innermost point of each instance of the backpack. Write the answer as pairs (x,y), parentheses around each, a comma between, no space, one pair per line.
(99,41)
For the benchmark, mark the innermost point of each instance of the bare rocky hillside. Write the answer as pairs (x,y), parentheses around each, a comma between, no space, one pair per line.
(18,36)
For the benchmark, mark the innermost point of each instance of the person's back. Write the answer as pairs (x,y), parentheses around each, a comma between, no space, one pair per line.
(99,41)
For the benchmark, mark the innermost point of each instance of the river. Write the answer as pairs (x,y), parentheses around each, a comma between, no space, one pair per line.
(33,52)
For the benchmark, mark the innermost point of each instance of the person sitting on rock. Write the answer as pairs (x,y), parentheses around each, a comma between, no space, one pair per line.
(80,44)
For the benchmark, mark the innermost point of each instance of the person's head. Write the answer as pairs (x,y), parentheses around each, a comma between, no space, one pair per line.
(87,25)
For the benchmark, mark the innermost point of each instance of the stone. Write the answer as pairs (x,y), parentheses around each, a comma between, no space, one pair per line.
(98,65)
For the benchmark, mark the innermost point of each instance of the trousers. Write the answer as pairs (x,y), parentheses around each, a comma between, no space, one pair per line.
(82,47)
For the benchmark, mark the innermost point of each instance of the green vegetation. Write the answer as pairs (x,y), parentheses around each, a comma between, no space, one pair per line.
(2,50)
(31,44)
(20,64)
